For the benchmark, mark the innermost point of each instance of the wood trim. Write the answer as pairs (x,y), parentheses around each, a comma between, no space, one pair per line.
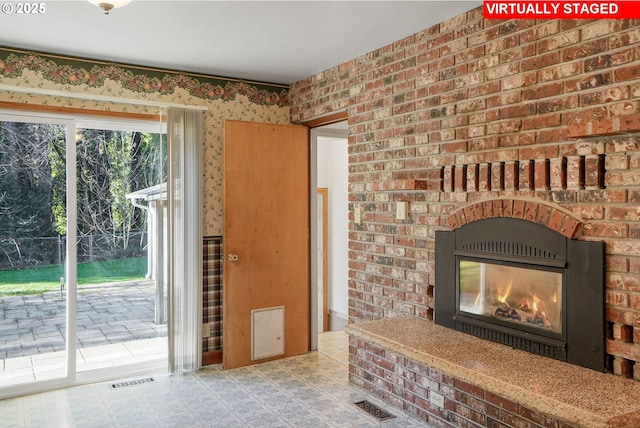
(211,357)
(325,257)
(327,120)
(37,108)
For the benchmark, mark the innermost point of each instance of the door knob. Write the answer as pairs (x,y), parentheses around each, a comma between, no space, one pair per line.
(233,257)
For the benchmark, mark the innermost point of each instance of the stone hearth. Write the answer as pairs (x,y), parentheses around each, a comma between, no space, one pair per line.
(414,363)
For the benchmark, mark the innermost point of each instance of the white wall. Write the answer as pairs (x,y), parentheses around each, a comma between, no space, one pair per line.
(333,173)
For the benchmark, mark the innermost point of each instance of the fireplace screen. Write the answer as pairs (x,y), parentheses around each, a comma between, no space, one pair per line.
(519,296)
(523,285)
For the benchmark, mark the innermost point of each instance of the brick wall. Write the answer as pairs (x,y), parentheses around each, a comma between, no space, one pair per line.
(472,118)
(408,384)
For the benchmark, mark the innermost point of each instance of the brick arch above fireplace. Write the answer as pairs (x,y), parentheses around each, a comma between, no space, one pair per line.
(552,216)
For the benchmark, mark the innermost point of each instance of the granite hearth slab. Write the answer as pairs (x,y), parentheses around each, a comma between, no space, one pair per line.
(579,396)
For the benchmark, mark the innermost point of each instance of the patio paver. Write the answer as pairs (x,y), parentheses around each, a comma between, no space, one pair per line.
(107,314)
(115,326)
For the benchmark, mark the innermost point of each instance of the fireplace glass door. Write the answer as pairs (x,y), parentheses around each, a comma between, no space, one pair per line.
(515,295)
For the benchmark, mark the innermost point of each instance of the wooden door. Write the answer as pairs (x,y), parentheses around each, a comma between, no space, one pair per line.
(266,237)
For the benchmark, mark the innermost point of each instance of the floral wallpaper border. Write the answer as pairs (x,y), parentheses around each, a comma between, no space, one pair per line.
(76,72)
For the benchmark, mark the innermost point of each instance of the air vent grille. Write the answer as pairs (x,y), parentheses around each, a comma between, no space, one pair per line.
(373,410)
(510,248)
(517,342)
(130,383)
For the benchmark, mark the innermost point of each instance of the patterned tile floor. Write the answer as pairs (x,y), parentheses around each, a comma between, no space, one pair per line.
(310,390)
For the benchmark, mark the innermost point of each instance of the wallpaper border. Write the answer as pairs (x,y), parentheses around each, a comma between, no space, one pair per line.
(92,73)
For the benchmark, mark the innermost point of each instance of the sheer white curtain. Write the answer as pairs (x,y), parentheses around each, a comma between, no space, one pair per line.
(184,138)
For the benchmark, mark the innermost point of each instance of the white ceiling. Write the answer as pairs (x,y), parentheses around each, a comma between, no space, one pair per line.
(268,41)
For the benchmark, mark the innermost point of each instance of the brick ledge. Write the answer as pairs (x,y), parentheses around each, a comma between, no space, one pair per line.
(579,396)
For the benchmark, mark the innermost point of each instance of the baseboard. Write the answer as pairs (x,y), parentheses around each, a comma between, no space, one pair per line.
(337,321)
(211,357)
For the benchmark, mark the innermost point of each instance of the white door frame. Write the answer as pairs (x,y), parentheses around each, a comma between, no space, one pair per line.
(313,168)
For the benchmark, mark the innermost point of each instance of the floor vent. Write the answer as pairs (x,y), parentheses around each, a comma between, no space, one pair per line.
(374,410)
(128,383)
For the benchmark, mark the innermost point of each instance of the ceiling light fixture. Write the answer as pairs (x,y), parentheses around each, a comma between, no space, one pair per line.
(109,4)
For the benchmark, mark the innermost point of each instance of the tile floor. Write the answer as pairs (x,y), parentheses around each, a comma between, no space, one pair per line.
(335,344)
(310,390)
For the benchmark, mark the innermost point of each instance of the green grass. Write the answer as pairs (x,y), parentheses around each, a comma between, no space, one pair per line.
(38,280)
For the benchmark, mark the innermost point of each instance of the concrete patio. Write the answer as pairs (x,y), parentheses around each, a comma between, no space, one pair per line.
(115,326)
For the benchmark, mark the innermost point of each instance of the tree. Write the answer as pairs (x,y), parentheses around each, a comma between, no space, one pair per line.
(110,164)
(26,188)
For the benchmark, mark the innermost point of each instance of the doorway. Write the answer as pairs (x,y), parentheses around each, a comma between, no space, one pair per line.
(329,146)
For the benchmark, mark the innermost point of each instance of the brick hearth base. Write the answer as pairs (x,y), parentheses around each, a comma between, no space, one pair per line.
(414,363)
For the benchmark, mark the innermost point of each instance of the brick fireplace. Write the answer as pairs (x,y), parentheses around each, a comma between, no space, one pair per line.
(475,119)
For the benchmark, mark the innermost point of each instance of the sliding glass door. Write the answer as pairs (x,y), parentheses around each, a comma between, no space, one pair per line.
(80,250)
(33,301)
(116,299)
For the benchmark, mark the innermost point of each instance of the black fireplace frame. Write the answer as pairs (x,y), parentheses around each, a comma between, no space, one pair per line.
(521,242)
